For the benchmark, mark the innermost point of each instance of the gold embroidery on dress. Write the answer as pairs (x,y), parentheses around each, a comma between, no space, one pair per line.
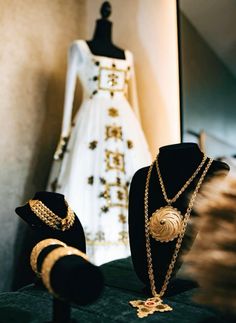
(88,236)
(102,180)
(104,195)
(118,180)
(120,195)
(112,79)
(93,144)
(130,144)
(123,237)
(90,180)
(113,132)
(115,160)
(116,195)
(106,243)
(112,76)
(122,219)
(113,112)
(104,209)
(100,236)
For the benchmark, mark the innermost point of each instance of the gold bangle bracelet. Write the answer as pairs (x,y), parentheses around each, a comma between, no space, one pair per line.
(51,260)
(38,248)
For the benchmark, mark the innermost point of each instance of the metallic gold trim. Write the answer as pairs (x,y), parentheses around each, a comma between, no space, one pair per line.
(120,187)
(115,160)
(113,131)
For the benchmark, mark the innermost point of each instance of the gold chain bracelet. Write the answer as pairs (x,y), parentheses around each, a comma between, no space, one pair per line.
(37,250)
(52,258)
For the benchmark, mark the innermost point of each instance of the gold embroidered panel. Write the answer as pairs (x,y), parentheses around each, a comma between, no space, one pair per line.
(111,79)
(116,195)
(113,131)
(115,160)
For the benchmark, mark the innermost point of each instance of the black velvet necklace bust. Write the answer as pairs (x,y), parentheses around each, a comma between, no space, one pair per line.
(177,163)
(101,43)
(74,236)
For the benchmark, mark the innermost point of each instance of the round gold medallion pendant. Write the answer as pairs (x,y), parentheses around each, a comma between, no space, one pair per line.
(165,224)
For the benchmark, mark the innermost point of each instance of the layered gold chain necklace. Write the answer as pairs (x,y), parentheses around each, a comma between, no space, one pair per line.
(50,218)
(176,228)
(166,222)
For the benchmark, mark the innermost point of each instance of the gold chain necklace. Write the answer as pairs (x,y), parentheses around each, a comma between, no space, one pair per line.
(166,222)
(155,303)
(50,218)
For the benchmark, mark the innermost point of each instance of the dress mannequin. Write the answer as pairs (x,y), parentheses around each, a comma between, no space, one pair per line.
(105,129)
(177,163)
(101,44)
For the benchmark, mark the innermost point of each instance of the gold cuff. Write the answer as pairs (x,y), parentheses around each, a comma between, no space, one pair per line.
(51,259)
(38,248)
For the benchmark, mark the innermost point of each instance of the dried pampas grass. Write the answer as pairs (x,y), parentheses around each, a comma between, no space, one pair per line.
(212,261)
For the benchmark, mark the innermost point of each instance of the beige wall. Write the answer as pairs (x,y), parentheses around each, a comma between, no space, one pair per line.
(34,37)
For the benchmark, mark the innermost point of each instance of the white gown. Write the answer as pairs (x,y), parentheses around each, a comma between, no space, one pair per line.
(106,146)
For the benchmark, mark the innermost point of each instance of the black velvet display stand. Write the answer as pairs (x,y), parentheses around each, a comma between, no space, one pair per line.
(73,279)
(101,43)
(177,164)
(74,237)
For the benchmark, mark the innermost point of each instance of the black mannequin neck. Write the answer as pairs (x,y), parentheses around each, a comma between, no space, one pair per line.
(101,43)
(177,163)
(103,31)
(184,152)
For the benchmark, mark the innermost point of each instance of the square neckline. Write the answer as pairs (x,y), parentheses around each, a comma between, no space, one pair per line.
(102,56)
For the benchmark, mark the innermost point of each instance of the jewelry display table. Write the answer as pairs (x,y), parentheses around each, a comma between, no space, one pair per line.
(32,304)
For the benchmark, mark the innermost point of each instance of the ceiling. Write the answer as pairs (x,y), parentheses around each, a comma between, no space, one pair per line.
(215,20)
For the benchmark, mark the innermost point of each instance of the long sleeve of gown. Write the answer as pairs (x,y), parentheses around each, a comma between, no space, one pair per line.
(74,59)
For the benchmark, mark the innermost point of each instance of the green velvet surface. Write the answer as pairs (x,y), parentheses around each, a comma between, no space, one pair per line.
(33,304)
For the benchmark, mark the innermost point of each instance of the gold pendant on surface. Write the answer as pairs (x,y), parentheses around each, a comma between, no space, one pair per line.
(165,224)
(150,306)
